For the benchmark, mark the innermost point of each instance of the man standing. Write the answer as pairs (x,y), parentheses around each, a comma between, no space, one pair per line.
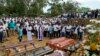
(50,31)
(36,26)
(12,25)
(56,30)
(68,31)
(1,33)
(96,13)
(80,32)
(45,30)
(5,28)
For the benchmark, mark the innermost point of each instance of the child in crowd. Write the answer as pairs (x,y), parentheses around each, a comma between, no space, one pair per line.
(20,33)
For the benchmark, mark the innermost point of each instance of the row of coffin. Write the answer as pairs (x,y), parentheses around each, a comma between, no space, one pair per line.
(25,48)
(22,48)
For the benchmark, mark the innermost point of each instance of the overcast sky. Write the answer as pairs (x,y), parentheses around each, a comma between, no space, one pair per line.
(93,4)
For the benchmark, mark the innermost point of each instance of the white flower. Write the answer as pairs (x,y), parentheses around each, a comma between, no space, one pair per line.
(98,21)
(87,26)
(86,53)
(92,31)
(86,47)
(94,55)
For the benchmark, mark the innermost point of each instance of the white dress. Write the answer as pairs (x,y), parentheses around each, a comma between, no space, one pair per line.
(29,33)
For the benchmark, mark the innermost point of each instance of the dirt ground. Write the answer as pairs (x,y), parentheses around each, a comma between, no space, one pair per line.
(14,39)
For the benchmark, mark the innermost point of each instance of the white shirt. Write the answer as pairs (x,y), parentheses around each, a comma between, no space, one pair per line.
(26,23)
(18,24)
(56,27)
(7,20)
(59,27)
(5,26)
(36,22)
(1,28)
(68,27)
(43,22)
(81,29)
(45,27)
(36,27)
(29,28)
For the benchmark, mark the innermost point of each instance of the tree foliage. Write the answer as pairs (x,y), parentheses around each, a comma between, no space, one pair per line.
(70,6)
(35,7)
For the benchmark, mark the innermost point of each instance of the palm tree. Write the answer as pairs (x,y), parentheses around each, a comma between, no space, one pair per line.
(56,7)
(37,6)
(70,6)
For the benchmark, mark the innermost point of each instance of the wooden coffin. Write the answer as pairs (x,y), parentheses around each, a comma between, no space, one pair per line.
(62,45)
(52,42)
(20,48)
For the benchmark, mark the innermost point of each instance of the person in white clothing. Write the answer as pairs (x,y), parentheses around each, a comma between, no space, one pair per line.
(29,33)
(26,23)
(5,28)
(68,31)
(56,28)
(80,32)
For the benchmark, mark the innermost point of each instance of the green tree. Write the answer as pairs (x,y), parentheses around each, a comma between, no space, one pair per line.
(56,7)
(15,7)
(70,6)
(36,8)
(2,9)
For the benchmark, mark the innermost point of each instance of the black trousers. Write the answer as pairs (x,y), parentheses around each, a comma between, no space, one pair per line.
(36,33)
(80,35)
(1,36)
(24,31)
(50,35)
(59,33)
(20,38)
(56,34)
(45,33)
(68,34)
(7,33)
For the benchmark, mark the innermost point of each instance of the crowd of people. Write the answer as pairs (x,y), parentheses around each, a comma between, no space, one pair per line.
(48,27)
(89,14)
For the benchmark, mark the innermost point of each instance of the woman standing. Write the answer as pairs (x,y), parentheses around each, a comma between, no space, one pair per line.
(29,32)
(40,33)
